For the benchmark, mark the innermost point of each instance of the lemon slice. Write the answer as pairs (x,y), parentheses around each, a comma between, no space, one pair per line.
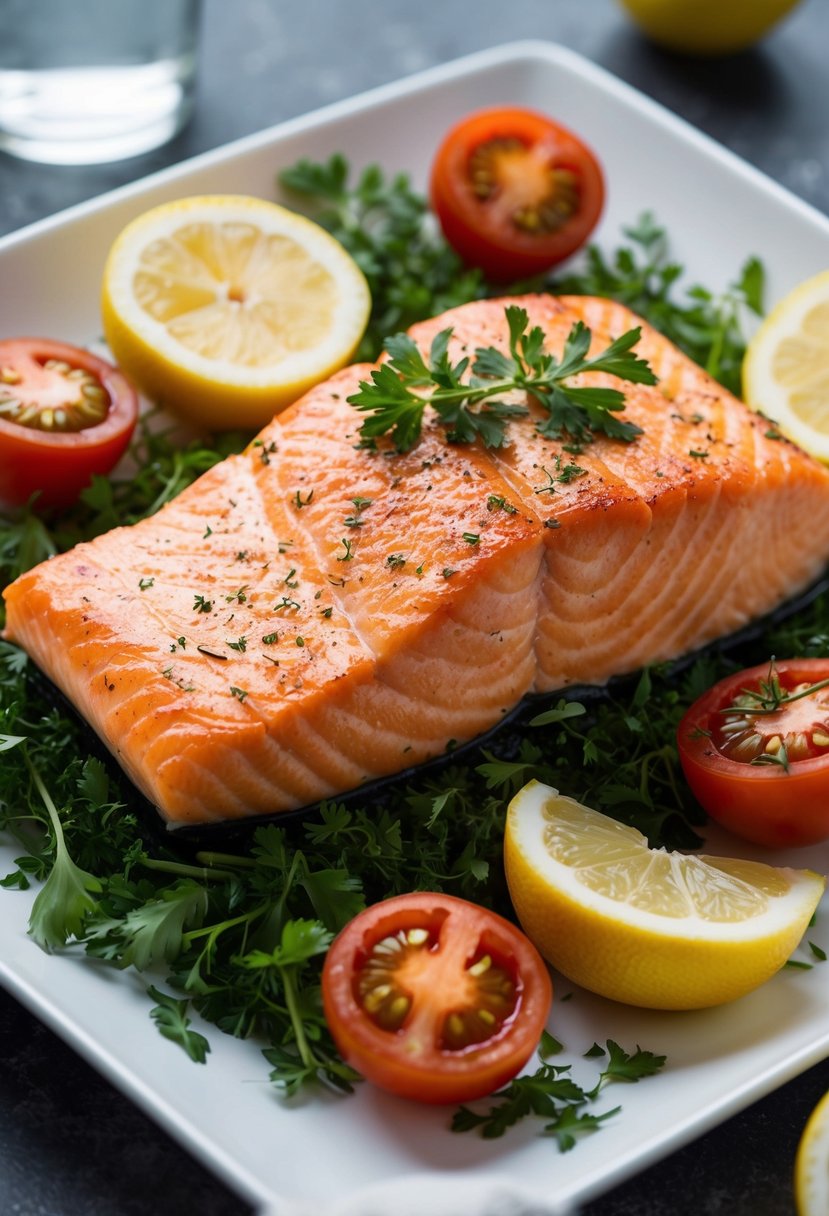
(811,1169)
(786,368)
(226,308)
(641,925)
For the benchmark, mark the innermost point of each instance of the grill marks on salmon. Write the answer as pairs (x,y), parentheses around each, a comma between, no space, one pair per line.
(264,641)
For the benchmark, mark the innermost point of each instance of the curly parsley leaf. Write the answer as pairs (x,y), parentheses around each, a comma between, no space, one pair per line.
(571,1123)
(550,1093)
(625,1066)
(539,1093)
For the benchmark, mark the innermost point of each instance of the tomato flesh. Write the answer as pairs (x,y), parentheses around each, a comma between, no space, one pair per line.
(434,998)
(515,193)
(758,767)
(65,415)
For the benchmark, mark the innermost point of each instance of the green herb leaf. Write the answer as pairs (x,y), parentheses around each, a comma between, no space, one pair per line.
(624,1066)
(152,933)
(65,899)
(170,1015)
(642,276)
(571,1123)
(551,1094)
(400,388)
(549,1046)
(561,712)
(412,272)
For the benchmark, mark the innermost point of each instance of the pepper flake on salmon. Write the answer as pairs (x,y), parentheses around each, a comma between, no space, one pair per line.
(311,614)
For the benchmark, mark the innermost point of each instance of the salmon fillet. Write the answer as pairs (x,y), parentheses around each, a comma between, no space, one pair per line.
(264,641)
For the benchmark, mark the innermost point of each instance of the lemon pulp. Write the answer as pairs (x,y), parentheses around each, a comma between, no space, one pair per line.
(226,308)
(786,368)
(644,926)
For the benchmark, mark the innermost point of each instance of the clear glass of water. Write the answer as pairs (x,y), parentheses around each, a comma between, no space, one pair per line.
(86,81)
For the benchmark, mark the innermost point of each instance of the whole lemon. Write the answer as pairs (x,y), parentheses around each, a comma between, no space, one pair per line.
(707,27)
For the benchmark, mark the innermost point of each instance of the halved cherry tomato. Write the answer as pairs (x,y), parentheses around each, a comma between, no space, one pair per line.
(435,998)
(64,415)
(755,752)
(515,192)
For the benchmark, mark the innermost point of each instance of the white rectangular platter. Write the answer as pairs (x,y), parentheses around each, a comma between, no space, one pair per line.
(718,211)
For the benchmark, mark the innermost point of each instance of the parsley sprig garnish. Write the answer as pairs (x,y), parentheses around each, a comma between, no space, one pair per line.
(551,1093)
(769,695)
(471,406)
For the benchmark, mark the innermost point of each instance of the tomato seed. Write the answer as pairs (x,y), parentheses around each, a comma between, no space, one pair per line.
(482,965)
(455,1026)
(552,211)
(399,1008)
(389,945)
(375,998)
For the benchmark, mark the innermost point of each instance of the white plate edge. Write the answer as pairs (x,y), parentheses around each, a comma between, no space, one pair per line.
(478,62)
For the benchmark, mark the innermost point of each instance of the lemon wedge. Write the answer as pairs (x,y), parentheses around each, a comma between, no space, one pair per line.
(645,926)
(786,367)
(226,308)
(811,1169)
(707,27)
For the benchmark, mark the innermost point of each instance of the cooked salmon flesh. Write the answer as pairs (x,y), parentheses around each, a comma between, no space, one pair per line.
(310,615)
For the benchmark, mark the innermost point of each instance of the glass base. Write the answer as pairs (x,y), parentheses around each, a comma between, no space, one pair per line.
(86,116)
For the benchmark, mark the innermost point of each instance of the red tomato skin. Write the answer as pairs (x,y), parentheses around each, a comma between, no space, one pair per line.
(760,803)
(58,465)
(436,1077)
(473,227)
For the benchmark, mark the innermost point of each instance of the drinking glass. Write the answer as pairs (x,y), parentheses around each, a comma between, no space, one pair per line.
(86,81)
